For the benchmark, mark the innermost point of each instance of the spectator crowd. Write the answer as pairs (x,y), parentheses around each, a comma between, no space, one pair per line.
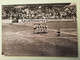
(39,12)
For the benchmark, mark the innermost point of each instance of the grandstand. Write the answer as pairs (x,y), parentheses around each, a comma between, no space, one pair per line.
(56,11)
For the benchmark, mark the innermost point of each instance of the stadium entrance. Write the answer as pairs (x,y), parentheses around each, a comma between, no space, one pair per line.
(15,20)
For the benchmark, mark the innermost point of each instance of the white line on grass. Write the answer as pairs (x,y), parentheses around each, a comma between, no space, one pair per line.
(63,32)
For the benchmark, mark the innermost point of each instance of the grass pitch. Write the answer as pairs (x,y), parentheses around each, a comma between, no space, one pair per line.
(18,39)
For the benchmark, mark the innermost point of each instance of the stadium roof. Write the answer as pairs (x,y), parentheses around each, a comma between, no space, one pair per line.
(45,4)
(72,4)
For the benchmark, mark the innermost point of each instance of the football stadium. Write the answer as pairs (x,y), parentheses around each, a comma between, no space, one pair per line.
(40,30)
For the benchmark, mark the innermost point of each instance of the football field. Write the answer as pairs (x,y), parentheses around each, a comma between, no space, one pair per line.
(18,39)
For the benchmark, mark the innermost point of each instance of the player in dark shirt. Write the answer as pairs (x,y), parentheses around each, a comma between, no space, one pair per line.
(58,32)
(34,28)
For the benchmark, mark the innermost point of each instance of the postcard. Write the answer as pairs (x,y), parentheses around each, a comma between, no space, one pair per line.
(43,29)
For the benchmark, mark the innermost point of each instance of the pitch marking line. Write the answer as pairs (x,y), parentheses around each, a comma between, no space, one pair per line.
(63,32)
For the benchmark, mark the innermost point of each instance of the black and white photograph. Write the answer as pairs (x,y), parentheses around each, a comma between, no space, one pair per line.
(46,30)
